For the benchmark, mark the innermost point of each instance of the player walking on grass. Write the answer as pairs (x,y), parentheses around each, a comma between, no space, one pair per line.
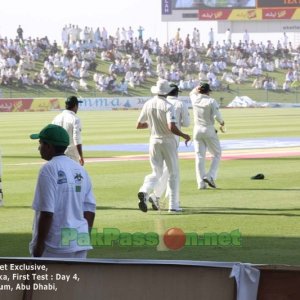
(63,200)
(71,122)
(182,119)
(159,116)
(206,111)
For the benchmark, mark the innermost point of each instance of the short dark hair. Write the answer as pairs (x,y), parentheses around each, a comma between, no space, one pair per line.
(60,149)
(175,90)
(71,102)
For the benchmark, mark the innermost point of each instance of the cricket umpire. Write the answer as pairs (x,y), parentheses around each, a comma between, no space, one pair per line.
(159,116)
(69,120)
(206,111)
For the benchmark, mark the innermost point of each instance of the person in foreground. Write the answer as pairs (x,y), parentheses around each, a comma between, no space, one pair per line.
(206,111)
(64,203)
(159,116)
(69,120)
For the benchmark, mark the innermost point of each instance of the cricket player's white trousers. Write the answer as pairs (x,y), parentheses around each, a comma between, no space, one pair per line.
(206,139)
(163,150)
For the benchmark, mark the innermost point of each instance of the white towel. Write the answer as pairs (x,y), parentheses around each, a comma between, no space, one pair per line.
(247,281)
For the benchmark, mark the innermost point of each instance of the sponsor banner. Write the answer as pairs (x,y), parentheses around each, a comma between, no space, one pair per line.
(46,104)
(88,104)
(15,105)
(214,14)
(245,15)
(39,104)
(249,14)
(281,13)
(112,103)
(122,103)
(230,14)
(278,3)
(166,7)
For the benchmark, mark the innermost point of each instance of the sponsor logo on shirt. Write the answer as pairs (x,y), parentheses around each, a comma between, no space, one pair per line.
(78,177)
(62,178)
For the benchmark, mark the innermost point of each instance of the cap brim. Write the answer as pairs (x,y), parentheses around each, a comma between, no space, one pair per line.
(80,101)
(35,136)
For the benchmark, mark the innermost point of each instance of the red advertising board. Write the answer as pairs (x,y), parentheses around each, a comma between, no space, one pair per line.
(214,14)
(278,13)
(14,105)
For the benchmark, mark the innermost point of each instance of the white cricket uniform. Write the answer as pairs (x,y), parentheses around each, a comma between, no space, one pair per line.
(71,123)
(206,110)
(158,113)
(182,119)
(64,189)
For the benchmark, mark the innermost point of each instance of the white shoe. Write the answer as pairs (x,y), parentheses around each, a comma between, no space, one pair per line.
(202,186)
(175,210)
(154,201)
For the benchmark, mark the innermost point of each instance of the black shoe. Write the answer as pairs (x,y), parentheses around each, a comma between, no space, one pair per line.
(210,182)
(154,202)
(142,204)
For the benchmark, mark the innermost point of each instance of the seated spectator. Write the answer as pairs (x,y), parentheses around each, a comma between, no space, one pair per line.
(122,87)
(83,84)
(74,85)
(286,86)
(257,83)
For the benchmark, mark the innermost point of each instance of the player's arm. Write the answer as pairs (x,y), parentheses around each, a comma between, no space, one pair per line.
(79,149)
(174,129)
(77,140)
(89,216)
(43,228)
(142,120)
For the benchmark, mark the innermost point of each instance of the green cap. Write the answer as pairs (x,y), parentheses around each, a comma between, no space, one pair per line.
(53,135)
(204,88)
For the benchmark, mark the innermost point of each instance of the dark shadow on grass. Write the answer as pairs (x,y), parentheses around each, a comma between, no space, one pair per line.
(115,208)
(252,249)
(232,211)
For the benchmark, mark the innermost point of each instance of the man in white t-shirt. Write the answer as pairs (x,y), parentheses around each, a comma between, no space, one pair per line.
(159,116)
(71,122)
(64,203)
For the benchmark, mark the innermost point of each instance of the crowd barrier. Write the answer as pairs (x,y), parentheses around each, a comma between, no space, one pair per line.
(32,279)
(48,104)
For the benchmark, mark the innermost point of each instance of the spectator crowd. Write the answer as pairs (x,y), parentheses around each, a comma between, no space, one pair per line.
(131,59)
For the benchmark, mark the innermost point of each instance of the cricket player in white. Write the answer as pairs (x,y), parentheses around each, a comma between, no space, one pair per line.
(182,119)
(159,116)
(206,111)
(72,124)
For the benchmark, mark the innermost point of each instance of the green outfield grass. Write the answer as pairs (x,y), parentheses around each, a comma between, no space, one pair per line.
(266,213)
